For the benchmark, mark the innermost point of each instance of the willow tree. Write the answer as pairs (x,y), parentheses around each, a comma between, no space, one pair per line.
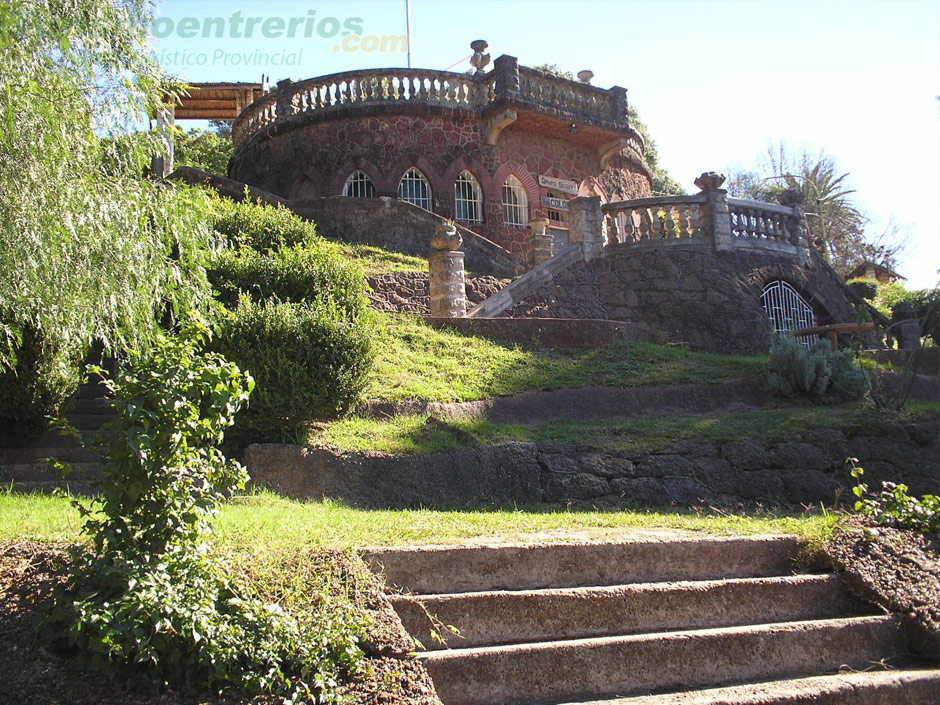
(89,250)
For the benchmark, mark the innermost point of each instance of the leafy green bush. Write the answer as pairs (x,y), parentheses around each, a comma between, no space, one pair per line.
(46,373)
(149,603)
(308,363)
(895,507)
(866,288)
(261,227)
(316,272)
(926,303)
(204,150)
(817,372)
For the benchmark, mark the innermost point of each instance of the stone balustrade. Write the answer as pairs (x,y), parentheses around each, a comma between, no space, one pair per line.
(508,83)
(760,221)
(672,218)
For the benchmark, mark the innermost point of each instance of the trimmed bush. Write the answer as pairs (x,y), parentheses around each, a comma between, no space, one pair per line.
(261,227)
(818,372)
(45,375)
(313,273)
(866,288)
(307,363)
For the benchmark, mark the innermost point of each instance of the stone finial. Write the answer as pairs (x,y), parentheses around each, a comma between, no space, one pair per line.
(710,181)
(790,197)
(446,238)
(585,76)
(479,60)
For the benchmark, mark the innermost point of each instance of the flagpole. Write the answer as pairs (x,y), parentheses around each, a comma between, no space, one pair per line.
(408,28)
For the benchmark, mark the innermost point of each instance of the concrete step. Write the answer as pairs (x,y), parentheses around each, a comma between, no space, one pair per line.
(451,569)
(46,472)
(89,422)
(96,405)
(559,671)
(491,618)
(913,687)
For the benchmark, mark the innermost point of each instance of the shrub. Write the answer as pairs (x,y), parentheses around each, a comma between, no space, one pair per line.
(866,288)
(208,151)
(45,374)
(894,507)
(817,372)
(307,362)
(302,274)
(261,227)
(149,603)
(926,303)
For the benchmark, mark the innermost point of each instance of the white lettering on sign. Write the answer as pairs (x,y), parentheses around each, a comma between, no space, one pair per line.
(556,204)
(562,185)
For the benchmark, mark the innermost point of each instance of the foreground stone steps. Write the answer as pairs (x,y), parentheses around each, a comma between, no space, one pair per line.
(505,617)
(653,621)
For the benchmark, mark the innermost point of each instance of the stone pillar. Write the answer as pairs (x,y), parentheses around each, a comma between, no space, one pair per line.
(542,241)
(905,326)
(446,275)
(161,164)
(507,77)
(620,104)
(796,223)
(285,99)
(586,225)
(717,216)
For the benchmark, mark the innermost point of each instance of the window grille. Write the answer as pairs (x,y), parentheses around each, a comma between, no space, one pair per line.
(788,311)
(415,188)
(468,198)
(557,216)
(515,203)
(359,185)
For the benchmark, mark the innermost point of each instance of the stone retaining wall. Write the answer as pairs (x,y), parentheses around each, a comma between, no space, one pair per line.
(407,292)
(809,468)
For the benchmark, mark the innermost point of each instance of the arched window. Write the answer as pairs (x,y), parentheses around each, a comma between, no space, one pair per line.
(515,203)
(787,310)
(415,188)
(468,198)
(359,185)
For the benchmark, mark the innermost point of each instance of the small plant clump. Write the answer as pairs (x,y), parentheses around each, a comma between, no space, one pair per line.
(819,372)
(150,603)
(894,507)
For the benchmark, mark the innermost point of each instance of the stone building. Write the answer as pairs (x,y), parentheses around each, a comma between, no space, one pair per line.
(493,151)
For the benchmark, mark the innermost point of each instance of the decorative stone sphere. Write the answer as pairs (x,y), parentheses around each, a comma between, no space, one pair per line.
(446,237)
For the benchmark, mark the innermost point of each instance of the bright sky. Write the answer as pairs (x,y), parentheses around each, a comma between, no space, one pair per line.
(715,81)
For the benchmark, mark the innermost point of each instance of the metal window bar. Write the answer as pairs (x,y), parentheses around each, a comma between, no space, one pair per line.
(359,185)
(788,311)
(515,203)
(415,188)
(468,200)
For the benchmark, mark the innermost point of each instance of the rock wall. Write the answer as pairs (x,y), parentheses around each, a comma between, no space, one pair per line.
(407,292)
(808,468)
(707,299)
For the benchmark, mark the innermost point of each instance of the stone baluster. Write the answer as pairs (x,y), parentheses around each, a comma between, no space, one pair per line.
(717,219)
(161,164)
(447,286)
(795,225)
(542,241)
(670,224)
(586,225)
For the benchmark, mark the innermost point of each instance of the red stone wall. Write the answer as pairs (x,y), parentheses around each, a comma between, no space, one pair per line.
(316,159)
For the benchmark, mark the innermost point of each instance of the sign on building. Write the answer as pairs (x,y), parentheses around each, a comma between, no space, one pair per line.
(556,204)
(562,185)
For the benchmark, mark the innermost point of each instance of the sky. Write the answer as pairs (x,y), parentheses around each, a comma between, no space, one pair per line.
(715,81)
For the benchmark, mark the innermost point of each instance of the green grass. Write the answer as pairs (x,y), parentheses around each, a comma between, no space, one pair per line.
(413,434)
(375,260)
(416,361)
(263,520)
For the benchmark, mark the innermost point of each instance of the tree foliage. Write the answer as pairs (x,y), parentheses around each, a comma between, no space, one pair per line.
(838,229)
(206,150)
(87,248)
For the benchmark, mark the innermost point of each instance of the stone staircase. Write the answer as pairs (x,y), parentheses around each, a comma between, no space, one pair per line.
(28,466)
(651,621)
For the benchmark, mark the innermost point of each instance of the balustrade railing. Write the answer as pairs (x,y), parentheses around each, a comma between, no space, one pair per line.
(555,91)
(656,219)
(253,118)
(759,221)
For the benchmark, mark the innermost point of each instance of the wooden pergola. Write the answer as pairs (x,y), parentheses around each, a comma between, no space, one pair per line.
(215,101)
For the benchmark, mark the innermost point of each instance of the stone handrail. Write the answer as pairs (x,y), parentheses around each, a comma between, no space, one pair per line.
(679,218)
(508,82)
(555,91)
(760,221)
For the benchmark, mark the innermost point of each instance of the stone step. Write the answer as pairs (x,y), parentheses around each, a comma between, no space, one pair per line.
(97,405)
(89,422)
(492,618)
(910,687)
(559,671)
(84,489)
(65,454)
(46,472)
(451,569)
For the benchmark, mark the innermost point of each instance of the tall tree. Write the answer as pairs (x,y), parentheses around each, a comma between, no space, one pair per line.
(838,229)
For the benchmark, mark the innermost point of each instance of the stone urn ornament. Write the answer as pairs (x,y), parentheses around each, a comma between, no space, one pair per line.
(479,60)
(710,181)
(585,76)
(446,238)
